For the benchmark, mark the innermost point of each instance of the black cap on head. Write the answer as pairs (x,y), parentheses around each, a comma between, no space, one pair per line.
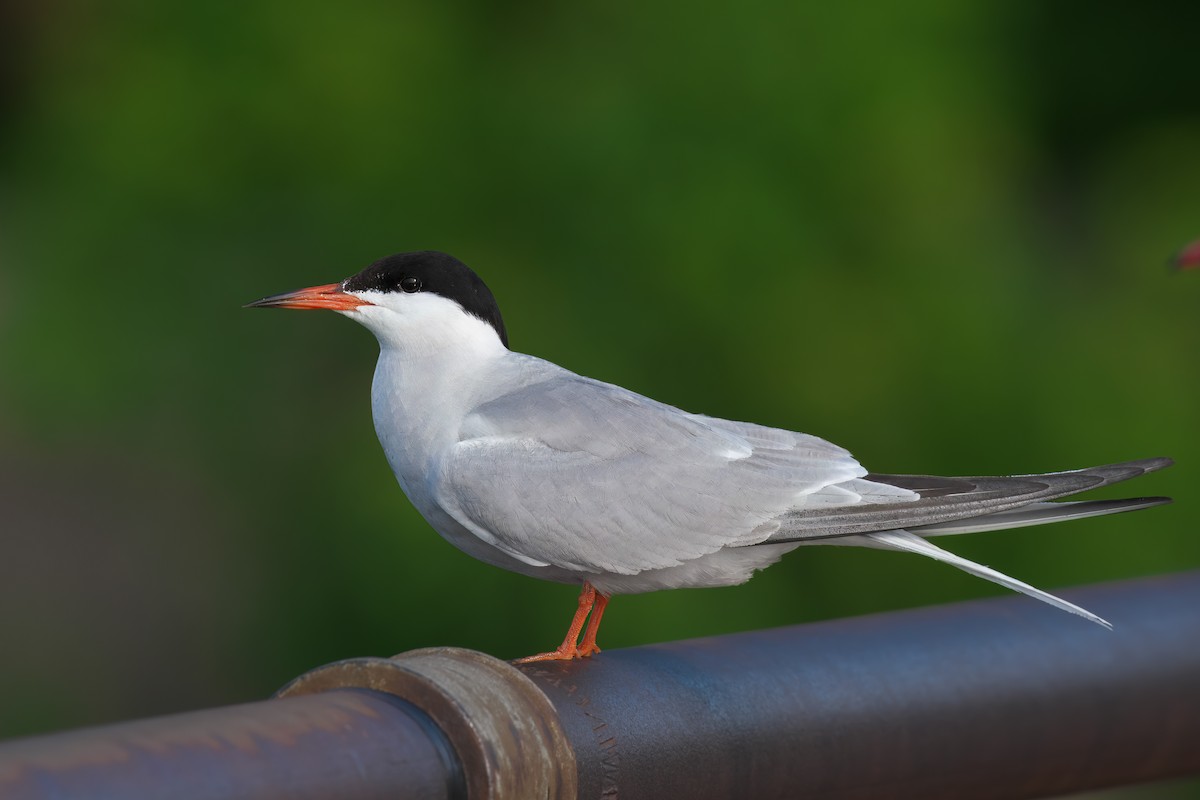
(431,271)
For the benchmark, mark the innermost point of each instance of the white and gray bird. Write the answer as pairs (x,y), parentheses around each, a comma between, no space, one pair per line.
(533,468)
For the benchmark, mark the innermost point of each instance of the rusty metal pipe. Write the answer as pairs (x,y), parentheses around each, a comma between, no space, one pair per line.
(998,698)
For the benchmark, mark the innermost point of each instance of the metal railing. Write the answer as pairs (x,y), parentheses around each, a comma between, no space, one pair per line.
(998,698)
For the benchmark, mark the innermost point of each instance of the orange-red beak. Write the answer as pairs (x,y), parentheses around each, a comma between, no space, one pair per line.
(330,296)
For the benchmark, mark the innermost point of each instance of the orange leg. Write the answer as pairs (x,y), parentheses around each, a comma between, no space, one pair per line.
(588,646)
(566,651)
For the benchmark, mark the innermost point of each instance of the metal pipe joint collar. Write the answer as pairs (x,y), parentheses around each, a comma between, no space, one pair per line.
(503,730)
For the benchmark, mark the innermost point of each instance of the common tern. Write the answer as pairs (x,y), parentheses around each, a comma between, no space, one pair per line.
(533,468)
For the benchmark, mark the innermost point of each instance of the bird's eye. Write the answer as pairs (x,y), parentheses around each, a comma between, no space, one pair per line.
(410,284)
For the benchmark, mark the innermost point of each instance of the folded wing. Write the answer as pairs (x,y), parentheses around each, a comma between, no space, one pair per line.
(587,476)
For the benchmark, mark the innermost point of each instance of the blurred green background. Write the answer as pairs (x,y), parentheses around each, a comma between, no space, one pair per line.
(932,232)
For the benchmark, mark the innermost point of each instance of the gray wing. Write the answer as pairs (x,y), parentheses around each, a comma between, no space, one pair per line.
(944,500)
(588,476)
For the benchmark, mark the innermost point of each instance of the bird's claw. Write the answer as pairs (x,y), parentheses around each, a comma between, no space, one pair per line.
(561,654)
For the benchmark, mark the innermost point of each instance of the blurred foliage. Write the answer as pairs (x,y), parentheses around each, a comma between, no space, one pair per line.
(931,232)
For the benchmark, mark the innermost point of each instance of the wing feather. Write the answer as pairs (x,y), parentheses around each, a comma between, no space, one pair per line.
(588,476)
(945,500)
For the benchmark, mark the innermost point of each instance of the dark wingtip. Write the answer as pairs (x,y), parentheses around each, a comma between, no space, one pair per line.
(1136,467)
(1135,503)
(1153,464)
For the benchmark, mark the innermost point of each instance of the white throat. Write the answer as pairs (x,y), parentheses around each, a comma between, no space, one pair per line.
(431,354)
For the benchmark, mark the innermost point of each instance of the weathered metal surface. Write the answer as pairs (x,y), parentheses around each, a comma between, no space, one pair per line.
(504,731)
(994,699)
(350,745)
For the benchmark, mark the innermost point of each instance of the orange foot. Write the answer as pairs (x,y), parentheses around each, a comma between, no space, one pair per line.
(586,650)
(590,601)
(561,654)
(588,646)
